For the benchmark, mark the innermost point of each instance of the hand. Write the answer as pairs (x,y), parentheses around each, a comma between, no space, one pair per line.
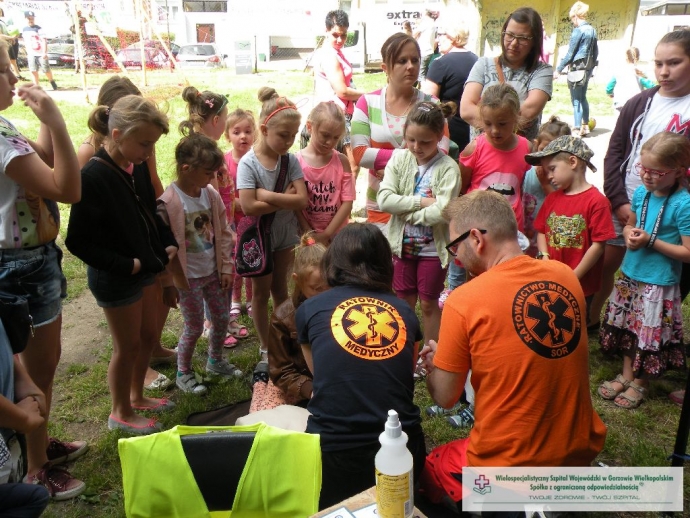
(636,238)
(226,281)
(137,266)
(623,213)
(171,296)
(34,417)
(171,251)
(291,189)
(427,202)
(427,355)
(556,74)
(41,104)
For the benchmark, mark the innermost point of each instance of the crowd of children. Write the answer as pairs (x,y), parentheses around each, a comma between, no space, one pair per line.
(148,249)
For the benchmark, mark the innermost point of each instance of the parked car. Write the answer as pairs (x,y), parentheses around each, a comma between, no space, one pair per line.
(155,44)
(200,55)
(98,56)
(131,58)
(60,55)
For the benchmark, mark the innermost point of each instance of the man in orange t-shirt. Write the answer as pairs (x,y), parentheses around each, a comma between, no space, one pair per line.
(520,327)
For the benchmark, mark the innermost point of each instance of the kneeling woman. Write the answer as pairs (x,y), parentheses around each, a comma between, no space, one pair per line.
(361,343)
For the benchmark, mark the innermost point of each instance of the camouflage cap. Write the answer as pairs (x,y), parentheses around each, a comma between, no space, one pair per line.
(565,144)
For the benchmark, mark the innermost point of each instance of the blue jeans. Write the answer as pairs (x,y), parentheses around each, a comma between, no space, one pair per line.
(578,96)
(456,275)
(36,274)
(23,500)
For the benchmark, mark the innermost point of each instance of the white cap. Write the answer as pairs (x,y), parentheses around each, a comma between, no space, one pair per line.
(393,427)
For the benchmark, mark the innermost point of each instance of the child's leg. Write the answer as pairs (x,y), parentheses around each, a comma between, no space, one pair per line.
(282,267)
(247,290)
(405,280)
(430,278)
(217,304)
(150,340)
(124,323)
(261,291)
(192,309)
(237,289)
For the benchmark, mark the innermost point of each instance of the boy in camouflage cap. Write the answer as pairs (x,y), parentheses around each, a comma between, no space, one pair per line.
(575,221)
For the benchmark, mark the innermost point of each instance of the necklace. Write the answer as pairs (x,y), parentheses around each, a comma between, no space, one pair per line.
(409,105)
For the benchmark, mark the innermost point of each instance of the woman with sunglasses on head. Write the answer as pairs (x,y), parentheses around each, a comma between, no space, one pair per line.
(447,74)
(333,79)
(582,55)
(518,65)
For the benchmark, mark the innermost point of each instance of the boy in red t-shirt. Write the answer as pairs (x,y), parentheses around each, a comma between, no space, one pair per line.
(575,221)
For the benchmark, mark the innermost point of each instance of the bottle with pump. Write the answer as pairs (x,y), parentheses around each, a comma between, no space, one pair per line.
(394,480)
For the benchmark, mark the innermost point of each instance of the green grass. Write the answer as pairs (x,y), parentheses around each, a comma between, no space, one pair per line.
(644,437)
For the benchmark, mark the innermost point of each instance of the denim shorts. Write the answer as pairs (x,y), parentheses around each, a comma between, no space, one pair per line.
(113,291)
(35,274)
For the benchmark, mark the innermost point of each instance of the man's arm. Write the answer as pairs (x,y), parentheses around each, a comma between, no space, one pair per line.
(445,387)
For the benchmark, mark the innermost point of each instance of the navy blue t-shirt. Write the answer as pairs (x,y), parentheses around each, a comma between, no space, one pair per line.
(362,344)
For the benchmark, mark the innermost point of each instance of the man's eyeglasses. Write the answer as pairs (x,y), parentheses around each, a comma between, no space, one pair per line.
(453,245)
(652,173)
(509,38)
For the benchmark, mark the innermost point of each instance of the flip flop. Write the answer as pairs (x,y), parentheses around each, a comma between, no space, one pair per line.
(237,330)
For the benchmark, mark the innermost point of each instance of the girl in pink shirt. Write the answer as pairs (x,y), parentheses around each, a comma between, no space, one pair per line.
(327,174)
(495,160)
(240,129)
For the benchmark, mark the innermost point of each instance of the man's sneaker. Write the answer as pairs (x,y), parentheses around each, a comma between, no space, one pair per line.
(54,85)
(188,383)
(60,452)
(57,480)
(464,419)
(222,368)
(435,410)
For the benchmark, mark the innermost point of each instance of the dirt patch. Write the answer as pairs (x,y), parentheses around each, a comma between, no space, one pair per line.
(84,332)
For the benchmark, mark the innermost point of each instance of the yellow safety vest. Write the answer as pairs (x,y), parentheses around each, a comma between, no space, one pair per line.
(281,478)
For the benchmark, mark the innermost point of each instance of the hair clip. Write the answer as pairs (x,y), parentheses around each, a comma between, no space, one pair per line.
(209,102)
(310,241)
(424,107)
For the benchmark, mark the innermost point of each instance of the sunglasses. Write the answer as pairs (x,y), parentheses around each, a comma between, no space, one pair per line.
(453,245)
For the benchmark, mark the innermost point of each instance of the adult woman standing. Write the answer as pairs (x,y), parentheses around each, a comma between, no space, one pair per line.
(379,117)
(447,75)
(518,65)
(581,56)
(333,76)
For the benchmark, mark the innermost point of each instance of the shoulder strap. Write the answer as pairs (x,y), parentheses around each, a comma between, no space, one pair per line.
(499,70)
(280,182)
(144,209)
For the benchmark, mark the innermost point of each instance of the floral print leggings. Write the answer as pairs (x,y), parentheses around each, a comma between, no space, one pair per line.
(192,308)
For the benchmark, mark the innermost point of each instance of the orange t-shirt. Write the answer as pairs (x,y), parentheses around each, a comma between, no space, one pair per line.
(527,348)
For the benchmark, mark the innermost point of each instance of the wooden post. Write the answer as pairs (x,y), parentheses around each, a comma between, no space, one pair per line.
(79,47)
(140,9)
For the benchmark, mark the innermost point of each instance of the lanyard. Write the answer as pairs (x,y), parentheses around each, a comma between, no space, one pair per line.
(657,223)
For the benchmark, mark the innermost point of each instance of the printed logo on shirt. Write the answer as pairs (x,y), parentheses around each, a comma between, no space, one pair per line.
(566,231)
(369,328)
(678,125)
(547,318)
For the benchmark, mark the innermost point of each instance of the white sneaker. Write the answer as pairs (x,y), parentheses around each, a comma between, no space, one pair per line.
(188,383)
(223,368)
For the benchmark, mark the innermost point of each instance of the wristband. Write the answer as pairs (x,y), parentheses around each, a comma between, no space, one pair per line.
(541,255)
(652,240)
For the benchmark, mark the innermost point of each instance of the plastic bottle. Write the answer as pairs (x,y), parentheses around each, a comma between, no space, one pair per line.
(394,480)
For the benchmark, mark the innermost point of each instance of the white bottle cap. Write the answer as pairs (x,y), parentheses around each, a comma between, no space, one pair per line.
(393,427)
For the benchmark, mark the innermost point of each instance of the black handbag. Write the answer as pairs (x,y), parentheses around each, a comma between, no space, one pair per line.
(253,252)
(17,321)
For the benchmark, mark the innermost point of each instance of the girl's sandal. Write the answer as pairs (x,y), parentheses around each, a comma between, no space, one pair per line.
(608,392)
(631,401)
(237,330)
(230,342)
(249,309)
